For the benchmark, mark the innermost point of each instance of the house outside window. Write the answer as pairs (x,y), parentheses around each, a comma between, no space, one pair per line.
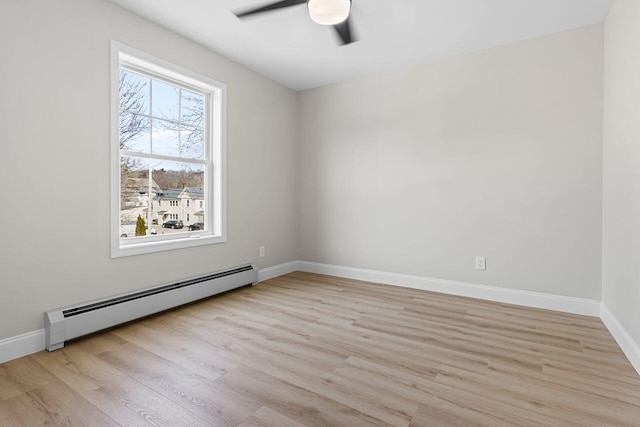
(168,143)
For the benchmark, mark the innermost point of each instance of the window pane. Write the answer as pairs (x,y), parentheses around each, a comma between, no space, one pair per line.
(134,197)
(134,92)
(177,196)
(192,108)
(191,142)
(165,139)
(164,100)
(135,132)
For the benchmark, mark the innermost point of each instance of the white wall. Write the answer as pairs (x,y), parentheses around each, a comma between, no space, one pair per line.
(54,128)
(621,218)
(496,153)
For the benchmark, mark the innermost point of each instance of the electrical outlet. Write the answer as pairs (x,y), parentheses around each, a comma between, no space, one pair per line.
(261,251)
(481,263)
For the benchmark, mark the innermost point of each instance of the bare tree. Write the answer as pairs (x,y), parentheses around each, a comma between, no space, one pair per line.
(131,125)
(178,178)
(132,95)
(193,113)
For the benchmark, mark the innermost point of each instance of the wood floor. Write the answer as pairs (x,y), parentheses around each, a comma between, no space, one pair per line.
(305,349)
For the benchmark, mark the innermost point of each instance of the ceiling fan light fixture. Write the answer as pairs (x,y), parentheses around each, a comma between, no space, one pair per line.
(329,12)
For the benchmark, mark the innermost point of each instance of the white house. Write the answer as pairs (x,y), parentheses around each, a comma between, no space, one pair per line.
(186,205)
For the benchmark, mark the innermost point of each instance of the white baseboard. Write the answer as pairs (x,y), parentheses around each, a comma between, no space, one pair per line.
(629,347)
(21,345)
(277,270)
(511,296)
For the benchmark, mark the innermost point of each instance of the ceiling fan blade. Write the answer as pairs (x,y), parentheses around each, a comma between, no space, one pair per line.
(272,6)
(344,31)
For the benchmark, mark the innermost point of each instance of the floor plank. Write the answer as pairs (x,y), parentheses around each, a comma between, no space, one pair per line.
(266,417)
(21,376)
(56,403)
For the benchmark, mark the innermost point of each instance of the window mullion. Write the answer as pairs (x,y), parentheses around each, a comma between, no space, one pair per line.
(151,115)
(163,157)
(179,121)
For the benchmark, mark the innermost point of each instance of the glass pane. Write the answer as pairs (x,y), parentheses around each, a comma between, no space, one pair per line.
(165,138)
(164,102)
(134,92)
(134,197)
(191,142)
(192,108)
(135,132)
(177,197)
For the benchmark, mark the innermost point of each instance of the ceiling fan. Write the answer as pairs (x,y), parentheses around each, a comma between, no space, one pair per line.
(324,12)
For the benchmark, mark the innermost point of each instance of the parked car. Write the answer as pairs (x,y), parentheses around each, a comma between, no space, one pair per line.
(172,224)
(196,226)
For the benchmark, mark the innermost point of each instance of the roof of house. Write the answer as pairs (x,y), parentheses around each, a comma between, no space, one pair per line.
(193,193)
(171,193)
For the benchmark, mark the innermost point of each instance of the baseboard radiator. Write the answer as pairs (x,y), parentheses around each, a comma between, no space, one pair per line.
(75,321)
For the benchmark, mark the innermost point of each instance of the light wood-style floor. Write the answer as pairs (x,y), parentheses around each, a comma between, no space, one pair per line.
(305,349)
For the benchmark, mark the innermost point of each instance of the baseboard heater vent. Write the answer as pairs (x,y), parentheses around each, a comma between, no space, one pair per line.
(75,321)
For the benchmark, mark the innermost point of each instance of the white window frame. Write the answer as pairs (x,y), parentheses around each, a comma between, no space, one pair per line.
(215,154)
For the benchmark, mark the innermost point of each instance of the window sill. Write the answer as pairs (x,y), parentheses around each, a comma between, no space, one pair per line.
(118,250)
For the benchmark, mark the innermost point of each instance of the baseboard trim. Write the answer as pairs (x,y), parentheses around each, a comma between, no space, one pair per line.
(629,347)
(277,270)
(21,345)
(510,296)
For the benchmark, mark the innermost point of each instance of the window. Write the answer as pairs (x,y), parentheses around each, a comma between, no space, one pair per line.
(187,217)
(167,141)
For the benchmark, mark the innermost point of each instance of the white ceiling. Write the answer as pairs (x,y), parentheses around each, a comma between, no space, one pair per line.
(288,47)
